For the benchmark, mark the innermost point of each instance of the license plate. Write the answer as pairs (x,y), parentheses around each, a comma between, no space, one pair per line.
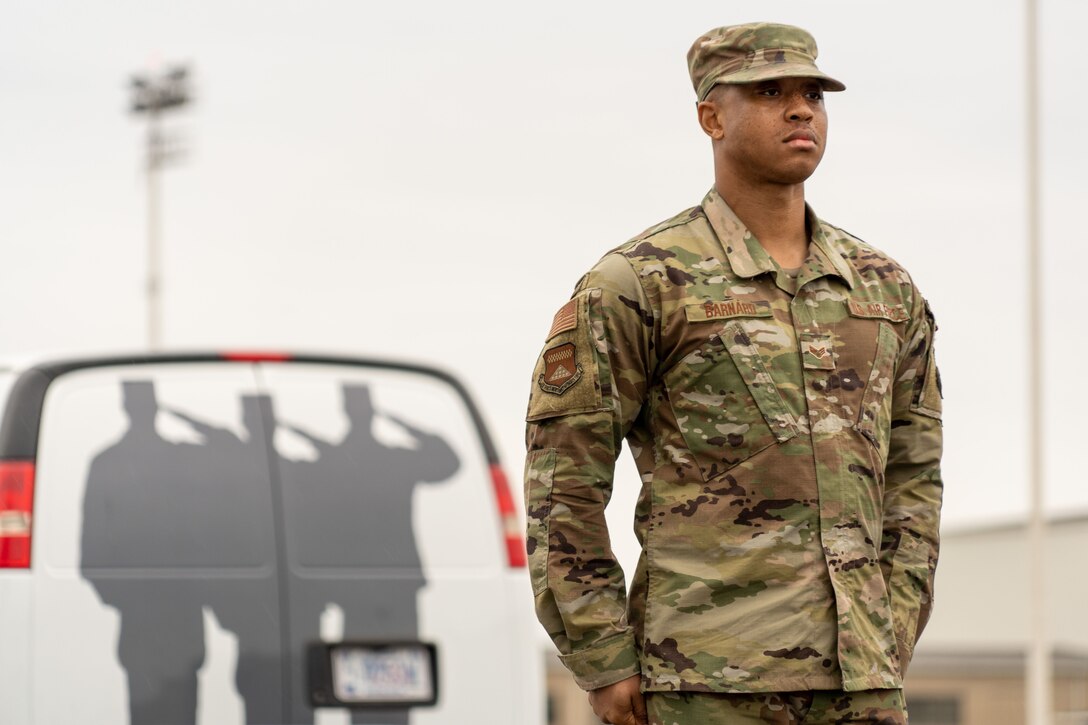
(397,674)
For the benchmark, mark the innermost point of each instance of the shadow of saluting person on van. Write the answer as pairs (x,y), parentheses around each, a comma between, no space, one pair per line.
(156,513)
(350,536)
(258,675)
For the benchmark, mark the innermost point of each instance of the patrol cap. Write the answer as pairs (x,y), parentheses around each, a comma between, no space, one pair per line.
(754,52)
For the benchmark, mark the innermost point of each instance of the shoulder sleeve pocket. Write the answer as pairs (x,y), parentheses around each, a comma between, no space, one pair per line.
(927,388)
(566,378)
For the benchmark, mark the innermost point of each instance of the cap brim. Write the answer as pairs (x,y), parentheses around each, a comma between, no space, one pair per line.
(782,70)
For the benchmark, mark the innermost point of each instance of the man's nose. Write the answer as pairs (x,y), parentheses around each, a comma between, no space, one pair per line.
(798,108)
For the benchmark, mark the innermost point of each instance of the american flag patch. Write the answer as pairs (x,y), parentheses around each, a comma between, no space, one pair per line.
(565,319)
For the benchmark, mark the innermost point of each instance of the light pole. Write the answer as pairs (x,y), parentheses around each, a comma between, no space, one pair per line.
(153,95)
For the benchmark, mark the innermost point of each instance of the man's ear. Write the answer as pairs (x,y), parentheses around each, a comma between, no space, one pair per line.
(710,117)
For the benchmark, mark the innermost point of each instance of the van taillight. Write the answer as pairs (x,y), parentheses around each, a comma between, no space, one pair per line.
(16,511)
(511,529)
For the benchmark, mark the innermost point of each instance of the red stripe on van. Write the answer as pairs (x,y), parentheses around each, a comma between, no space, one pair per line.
(256,356)
(511,528)
(16,512)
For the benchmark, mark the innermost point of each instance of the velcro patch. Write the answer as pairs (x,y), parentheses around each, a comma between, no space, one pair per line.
(566,379)
(727,309)
(817,351)
(878,310)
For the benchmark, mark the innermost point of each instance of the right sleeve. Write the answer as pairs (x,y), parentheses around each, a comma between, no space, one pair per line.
(587,391)
(913,485)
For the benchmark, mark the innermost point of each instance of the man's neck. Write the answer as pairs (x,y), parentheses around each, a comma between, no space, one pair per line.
(775,215)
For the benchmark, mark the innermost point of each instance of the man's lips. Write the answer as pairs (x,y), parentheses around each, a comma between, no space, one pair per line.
(801,139)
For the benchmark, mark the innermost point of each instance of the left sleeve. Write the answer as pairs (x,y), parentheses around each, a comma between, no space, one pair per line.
(588,389)
(913,486)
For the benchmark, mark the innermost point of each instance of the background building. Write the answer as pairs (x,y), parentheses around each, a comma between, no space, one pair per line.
(969,667)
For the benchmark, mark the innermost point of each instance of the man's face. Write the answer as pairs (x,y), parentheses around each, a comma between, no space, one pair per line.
(768,132)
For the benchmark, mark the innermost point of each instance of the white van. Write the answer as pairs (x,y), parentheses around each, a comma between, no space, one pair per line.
(256,538)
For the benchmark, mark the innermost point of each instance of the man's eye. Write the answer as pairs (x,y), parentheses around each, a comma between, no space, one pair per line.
(815,95)
(769,92)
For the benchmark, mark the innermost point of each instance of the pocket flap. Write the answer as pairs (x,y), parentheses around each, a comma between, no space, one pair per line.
(758,379)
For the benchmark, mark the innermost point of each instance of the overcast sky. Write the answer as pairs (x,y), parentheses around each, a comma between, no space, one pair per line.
(428,180)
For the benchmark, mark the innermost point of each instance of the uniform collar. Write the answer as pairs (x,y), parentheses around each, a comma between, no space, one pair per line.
(748,258)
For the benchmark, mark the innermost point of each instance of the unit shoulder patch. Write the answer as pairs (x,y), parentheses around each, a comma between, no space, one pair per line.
(561,369)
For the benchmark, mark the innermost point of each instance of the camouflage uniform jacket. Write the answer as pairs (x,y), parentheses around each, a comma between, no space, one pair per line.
(787,433)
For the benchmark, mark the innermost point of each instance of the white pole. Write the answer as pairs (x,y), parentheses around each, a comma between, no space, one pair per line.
(154,262)
(1039,700)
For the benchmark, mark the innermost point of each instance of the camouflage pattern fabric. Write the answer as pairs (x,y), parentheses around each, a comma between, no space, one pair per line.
(877,707)
(754,52)
(787,432)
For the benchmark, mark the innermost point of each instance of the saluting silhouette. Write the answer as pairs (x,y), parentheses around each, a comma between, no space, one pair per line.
(158,517)
(165,525)
(349,532)
(258,676)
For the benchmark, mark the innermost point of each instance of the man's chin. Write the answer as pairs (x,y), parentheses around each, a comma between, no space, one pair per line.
(792,178)
(797,173)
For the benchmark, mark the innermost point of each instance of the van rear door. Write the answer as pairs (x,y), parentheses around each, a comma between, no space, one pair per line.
(154,548)
(392,530)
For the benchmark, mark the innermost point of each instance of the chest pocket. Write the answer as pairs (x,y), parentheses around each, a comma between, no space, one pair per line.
(874,417)
(875,360)
(725,400)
